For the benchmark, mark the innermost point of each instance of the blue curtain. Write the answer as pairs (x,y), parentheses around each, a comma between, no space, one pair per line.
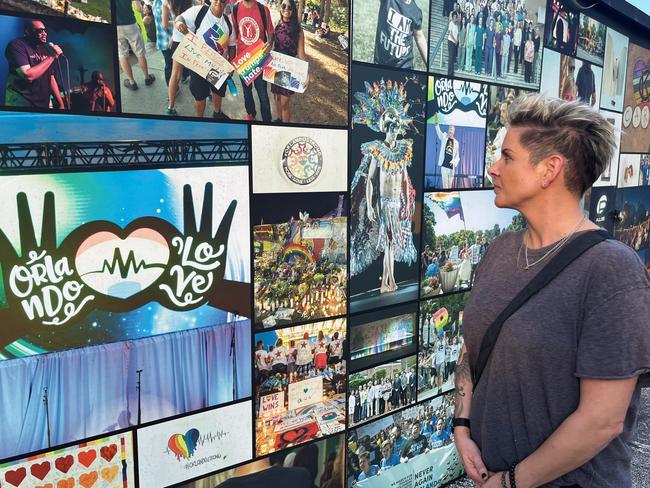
(93,390)
(469,172)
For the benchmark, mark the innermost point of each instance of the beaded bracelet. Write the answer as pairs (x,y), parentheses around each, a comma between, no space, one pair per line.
(503,480)
(513,484)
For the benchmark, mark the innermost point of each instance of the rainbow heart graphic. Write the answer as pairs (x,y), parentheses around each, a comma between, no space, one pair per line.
(183,446)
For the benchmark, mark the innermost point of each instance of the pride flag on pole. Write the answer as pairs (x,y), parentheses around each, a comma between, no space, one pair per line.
(449,202)
(251,63)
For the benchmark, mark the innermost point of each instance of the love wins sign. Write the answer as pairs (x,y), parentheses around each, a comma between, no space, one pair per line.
(102,266)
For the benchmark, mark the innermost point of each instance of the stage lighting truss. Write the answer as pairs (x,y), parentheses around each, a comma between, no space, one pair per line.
(129,153)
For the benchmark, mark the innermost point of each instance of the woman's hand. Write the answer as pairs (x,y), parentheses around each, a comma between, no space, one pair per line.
(470,454)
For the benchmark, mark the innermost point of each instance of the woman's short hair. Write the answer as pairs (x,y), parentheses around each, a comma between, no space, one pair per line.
(573,129)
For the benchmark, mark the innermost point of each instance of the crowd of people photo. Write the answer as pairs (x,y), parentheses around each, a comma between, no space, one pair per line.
(438,360)
(279,364)
(376,397)
(229,27)
(415,431)
(461,260)
(497,39)
(300,384)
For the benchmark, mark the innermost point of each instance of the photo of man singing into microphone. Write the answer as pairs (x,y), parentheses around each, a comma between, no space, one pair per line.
(57,64)
(31,80)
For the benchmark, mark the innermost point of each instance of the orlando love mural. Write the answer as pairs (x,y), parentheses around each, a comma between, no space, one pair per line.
(81,266)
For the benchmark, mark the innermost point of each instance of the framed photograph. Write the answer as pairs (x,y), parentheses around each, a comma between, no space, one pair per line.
(80,75)
(300,250)
(386,156)
(300,384)
(391,33)
(441,340)
(399,449)
(591,40)
(381,389)
(562,22)
(614,71)
(502,45)
(457,229)
(455,134)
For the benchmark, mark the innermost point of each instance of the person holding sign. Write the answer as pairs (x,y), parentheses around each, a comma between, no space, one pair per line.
(210,23)
(289,40)
(252,22)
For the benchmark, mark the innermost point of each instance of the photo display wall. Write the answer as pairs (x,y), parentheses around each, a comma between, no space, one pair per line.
(238,237)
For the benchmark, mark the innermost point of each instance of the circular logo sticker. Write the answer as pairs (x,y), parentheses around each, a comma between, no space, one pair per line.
(636,117)
(302,160)
(249,30)
(627,116)
(645,117)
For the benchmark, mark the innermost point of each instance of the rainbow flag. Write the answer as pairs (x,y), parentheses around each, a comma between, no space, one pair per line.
(449,202)
(440,319)
(251,63)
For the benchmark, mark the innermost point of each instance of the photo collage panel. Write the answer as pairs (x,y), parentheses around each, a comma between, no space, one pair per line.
(239,236)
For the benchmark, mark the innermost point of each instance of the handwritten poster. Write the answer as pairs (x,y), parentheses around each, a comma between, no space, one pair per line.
(192,446)
(306,392)
(103,462)
(272,404)
(287,72)
(195,54)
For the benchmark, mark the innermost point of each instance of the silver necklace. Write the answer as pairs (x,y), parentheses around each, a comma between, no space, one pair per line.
(557,246)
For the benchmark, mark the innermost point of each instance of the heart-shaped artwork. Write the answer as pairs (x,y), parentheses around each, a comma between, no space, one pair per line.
(64,463)
(108,452)
(109,473)
(67,483)
(40,470)
(87,457)
(121,268)
(88,479)
(297,435)
(184,445)
(16,476)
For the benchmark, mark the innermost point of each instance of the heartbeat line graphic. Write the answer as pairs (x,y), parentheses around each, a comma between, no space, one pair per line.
(206,439)
(125,266)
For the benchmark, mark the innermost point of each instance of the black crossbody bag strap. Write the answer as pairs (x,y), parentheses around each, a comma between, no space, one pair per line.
(554,267)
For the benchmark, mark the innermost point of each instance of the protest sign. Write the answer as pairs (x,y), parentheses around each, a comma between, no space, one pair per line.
(272,404)
(251,63)
(195,54)
(287,72)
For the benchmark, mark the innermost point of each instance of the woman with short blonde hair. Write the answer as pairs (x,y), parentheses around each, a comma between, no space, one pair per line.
(556,404)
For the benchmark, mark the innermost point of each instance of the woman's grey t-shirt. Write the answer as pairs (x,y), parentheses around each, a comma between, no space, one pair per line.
(592,321)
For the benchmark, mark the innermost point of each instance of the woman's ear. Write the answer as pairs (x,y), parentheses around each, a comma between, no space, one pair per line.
(550,169)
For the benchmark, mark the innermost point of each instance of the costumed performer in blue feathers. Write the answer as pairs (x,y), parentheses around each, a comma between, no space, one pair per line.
(382,194)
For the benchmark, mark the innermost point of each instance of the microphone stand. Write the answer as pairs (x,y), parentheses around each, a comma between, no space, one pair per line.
(138,387)
(47,417)
(233,355)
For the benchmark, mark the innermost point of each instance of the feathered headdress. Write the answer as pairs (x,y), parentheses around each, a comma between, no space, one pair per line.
(379,98)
